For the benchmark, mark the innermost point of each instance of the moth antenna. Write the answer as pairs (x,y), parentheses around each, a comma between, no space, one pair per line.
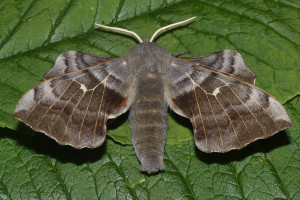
(121,30)
(163,29)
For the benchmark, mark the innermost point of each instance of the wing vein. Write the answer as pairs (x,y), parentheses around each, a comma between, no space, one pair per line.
(83,119)
(236,112)
(69,119)
(201,117)
(53,104)
(201,114)
(98,113)
(226,84)
(215,71)
(245,106)
(73,79)
(215,120)
(62,110)
(42,99)
(73,72)
(64,75)
(259,103)
(229,120)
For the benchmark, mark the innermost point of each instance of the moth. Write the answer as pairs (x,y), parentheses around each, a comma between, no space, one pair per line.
(215,91)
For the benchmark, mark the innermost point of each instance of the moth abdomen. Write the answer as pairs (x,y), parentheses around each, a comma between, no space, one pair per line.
(148,122)
(148,136)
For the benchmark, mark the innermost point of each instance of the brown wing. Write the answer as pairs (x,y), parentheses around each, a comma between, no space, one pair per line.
(226,113)
(228,62)
(73,108)
(71,61)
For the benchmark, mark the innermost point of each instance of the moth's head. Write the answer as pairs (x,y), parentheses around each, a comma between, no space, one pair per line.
(147,55)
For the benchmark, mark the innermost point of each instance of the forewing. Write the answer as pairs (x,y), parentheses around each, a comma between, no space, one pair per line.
(226,113)
(73,108)
(228,62)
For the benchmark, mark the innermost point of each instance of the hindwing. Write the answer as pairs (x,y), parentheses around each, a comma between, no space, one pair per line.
(227,62)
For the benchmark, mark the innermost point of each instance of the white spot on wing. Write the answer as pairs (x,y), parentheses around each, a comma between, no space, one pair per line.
(83,88)
(216,91)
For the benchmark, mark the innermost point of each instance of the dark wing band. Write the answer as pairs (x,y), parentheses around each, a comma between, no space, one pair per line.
(228,62)
(71,61)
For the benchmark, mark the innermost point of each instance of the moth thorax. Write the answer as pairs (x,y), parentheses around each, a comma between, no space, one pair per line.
(148,57)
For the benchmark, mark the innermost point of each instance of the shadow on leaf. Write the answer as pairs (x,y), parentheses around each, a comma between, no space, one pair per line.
(260,146)
(116,122)
(181,120)
(41,144)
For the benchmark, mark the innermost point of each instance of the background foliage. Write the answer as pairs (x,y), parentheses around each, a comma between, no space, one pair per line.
(34,32)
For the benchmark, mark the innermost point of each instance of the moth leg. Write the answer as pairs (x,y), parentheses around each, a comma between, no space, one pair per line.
(180,54)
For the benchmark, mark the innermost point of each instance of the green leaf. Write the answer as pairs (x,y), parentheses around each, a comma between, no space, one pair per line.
(34,32)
